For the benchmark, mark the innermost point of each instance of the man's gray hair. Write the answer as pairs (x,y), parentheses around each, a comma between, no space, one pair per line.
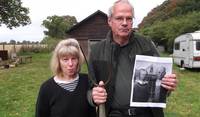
(110,11)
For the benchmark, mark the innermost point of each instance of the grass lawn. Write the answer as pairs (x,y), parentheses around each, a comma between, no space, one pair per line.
(19,88)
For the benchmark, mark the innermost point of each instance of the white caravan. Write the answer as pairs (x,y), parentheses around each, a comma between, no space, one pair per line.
(186,51)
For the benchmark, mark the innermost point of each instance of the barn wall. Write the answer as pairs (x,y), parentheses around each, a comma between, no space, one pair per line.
(92,28)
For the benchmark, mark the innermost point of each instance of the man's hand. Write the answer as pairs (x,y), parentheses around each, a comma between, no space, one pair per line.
(169,82)
(99,94)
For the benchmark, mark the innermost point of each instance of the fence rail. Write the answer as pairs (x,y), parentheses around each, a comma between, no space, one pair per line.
(15,48)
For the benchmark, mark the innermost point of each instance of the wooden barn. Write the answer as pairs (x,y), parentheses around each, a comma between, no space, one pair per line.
(90,30)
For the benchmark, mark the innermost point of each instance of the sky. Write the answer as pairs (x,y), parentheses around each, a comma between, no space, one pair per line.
(40,9)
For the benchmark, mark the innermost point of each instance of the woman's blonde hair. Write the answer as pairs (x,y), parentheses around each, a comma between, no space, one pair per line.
(64,48)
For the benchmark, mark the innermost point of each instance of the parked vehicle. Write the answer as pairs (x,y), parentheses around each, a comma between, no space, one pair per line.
(186,51)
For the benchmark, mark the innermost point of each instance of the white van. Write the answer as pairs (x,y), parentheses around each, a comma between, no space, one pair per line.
(186,51)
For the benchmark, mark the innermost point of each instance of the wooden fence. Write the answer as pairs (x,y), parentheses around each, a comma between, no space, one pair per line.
(15,48)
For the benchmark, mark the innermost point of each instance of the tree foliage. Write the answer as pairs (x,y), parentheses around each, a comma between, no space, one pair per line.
(58,25)
(12,41)
(12,14)
(165,24)
(165,32)
(170,9)
(50,42)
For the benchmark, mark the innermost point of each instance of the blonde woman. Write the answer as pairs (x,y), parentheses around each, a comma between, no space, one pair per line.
(65,93)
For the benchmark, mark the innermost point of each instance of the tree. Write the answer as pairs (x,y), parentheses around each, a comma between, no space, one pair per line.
(12,14)
(169,9)
(50,42)
(18,42)
(171,19)
(58,25)
(165,32)
(12,41)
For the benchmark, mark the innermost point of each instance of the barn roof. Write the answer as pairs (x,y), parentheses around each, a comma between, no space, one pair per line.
(98,12)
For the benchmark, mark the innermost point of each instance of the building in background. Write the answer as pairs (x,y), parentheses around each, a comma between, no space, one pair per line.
(90,30)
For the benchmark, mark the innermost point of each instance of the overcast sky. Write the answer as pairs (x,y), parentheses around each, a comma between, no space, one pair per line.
(40,9)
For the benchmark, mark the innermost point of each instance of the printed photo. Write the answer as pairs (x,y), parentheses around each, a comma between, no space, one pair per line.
(146,81)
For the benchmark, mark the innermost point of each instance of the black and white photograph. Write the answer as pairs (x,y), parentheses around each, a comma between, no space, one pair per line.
(146,81)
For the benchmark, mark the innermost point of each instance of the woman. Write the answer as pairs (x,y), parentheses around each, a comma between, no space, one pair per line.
(65,94)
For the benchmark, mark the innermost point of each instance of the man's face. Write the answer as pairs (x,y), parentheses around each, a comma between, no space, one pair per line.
(160,72)
(121,20)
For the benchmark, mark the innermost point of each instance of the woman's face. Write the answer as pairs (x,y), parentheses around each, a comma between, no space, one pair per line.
(143,73)
(69,65)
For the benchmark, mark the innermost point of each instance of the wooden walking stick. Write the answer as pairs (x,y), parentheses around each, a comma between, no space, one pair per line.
(102,110)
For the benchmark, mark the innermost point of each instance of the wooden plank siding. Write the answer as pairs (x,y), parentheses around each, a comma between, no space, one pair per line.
(94,27)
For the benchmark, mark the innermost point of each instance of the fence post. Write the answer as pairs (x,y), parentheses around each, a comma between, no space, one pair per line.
(3,46)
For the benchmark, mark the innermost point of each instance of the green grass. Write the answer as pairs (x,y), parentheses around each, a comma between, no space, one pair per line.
(185,101)
(19,86)
(19,89)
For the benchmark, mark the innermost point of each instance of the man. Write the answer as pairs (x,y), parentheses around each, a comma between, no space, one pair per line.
(159,92)
(112,61)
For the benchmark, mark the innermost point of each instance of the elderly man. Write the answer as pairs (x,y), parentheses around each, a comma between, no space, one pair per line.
(113,60)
